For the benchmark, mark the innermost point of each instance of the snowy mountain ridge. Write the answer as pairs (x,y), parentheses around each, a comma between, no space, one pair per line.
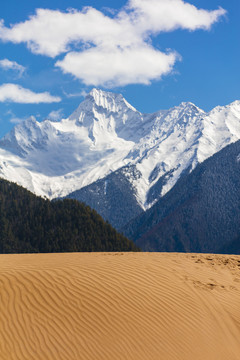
(104,134)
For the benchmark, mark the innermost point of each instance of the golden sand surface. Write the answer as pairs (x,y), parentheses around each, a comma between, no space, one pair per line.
(115,306)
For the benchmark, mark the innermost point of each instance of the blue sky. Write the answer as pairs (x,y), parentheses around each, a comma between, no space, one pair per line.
(157,53)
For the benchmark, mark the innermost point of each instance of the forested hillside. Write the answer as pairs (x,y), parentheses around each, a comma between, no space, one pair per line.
(233,247)
(31,224)
(200,214)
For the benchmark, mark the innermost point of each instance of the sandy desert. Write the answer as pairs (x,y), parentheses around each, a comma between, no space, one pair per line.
(113,306)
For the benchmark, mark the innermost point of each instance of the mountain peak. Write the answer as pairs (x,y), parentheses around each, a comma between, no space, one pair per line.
(106,133)
(104,99)
(108,100)
(101,101)
(99,94)
(189,106)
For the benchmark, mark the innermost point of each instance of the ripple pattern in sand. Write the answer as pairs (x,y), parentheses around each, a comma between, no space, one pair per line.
(119,306)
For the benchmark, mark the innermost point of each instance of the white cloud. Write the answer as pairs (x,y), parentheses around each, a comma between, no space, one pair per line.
(118,66)
(51,32)
(157,16)
(102,49)
(16,93)
(12,65)
(82,93)
(15,119)
(55,115)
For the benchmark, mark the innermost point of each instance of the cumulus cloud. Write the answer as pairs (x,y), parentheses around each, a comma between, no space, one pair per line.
(157,16)
(51,32)
(103,50)
(6,64)
(114,67)
(17,94)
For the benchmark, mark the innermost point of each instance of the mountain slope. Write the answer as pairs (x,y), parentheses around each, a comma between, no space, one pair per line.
(113,197)
(200,214)
(31,224)
(106,134)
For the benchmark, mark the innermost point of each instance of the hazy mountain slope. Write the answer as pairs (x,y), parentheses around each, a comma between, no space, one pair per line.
(200,214)
(31,224)
(106,134)
(112,197)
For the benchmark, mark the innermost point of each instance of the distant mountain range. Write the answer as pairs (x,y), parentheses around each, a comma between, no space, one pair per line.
(117,160)
(105,134)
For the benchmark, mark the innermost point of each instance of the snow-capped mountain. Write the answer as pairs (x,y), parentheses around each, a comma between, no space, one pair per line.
(199,214)
(106,134)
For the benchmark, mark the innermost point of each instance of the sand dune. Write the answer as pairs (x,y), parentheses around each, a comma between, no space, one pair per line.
(120,306)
